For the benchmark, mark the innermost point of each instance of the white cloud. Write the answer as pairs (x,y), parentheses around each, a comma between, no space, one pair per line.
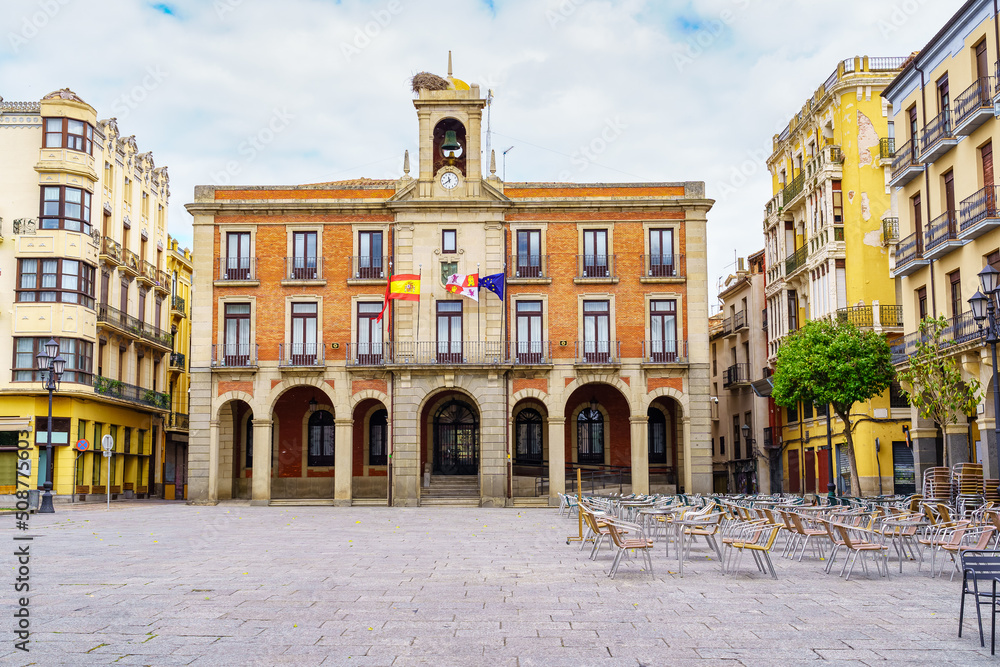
(699,87)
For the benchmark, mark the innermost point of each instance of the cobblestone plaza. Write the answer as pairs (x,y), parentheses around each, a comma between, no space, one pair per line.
(170,584)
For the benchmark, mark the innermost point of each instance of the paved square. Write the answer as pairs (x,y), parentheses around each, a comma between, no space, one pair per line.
(171,584)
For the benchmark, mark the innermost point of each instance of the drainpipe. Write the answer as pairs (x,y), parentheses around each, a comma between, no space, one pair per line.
(996,29)
(927,180)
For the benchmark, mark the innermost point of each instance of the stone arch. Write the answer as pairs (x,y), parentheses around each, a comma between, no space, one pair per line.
(362,396)
(609,379)
(280,389)
(467,394)
(666,392)
(537,394)
(220,402)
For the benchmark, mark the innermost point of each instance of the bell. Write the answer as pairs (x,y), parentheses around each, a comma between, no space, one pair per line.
(450,144)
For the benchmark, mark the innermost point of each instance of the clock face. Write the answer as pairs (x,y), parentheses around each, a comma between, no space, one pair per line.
(449,180)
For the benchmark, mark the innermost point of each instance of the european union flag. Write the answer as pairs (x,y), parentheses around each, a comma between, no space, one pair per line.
(493,283)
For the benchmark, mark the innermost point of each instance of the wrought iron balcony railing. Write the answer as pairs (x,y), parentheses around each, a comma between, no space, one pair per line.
(664,266)
(129,392)
(236,268)
(665,352)
(886,148)
(890,230)
(859,316)
(303,268)
(527,267)
(234,355)
(368,267)
(301,355)
(595,267)
(979,207)
(891,316)
(737,374)
(598,351)
(796,260)
(941,230)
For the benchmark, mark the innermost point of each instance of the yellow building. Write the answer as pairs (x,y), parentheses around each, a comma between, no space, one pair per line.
(944,189)
(180,265)
(84,232)
(828,257)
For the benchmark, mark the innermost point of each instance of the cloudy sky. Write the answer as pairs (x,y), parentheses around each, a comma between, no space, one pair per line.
(262,92)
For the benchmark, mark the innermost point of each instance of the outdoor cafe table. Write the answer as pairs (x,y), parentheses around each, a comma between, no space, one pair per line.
(680,525)
(648,516)
(898,526)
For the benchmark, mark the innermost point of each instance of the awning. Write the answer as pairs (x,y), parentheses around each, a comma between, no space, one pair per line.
(763,387)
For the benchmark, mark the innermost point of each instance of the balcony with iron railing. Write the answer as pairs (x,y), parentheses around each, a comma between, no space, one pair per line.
(859,316)
(369,268)
(448,353)
(130,262)
(234,356)
(905,165)
(796,260)
(162,281)
(123,322)
(793,189)
(737,375)
(886,148)
(979,213)
(727,326)
(111,251)
(958,331)
(974,106)
(890,317)
(665,266)
(598,352)
(890,231)
(528,268)
(303,269)
(147,272)
(938,137)
(740,320)
(236,269)
(178,306)
(131,393)
(941,235)
(909,256)
(178,421)
(301,355)
(665,352)
(178,361)
(598,268)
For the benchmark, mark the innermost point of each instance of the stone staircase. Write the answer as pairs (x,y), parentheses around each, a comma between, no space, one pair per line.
(451,490)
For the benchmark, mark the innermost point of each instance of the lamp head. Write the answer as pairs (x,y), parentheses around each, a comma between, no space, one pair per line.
(42,361)
(58,365)
(978,304)
(990,279)
(52,348)
(746,430)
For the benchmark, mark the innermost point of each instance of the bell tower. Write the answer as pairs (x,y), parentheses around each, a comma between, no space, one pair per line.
(450,113)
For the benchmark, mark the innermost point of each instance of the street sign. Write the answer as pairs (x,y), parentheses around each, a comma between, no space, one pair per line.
(107,453)
(82,444)
(107,442)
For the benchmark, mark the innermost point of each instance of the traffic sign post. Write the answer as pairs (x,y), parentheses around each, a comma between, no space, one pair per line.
(108,444)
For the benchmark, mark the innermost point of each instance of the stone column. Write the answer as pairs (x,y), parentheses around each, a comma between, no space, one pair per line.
(343,469)
(557,458)
(261,477)
(956,442)
(213,461)
(640,453)
(687,458)
(924,452)
(987,436)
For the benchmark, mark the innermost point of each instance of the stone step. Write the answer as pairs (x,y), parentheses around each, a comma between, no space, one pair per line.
(368,502)
(448,502)
(531,502)
(301,502)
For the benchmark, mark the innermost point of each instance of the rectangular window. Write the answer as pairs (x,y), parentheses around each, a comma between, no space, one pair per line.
(661,253)
(53,280)
(663,331)
(792,414)
(370,258)
(237,331)
(95,447)
(237,256)
(369,333)
(304,258)
(722,445)
(922,303)
(304,344)
(449,331)
(596,331)
(128,440)
(955,282)
(737,443)
(838,203)
(142,305)
(807,411)
(911,115)
(993,259)
(793,311)
(66,208)
(944,96)
(378,427)
(595,253)
(69,133)
(530,346)
(79,356)
(449,240)
(529,253)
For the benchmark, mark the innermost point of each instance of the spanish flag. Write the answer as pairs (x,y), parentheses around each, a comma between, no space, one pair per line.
(404,286)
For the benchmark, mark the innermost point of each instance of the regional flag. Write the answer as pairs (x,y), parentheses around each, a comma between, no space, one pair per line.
(403,286)
(464,285)
(494,283)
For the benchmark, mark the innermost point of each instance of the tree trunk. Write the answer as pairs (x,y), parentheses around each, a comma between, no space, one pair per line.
(852,459)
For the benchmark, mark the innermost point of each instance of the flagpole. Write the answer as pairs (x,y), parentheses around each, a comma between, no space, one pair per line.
(479,314)
(416,334)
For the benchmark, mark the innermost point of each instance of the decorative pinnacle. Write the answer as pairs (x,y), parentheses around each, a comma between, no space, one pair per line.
(449,64)
(493,163)
(406,162)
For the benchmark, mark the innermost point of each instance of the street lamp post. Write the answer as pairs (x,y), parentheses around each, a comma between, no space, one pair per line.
(51,364)
(984,311)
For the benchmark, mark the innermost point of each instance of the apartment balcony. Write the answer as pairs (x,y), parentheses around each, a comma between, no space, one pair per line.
(530,353)
(162,284)
(890,317)
(938,137)
(665,352)
(941,236)
(25,227)
(130,263)
(131,393)
(306,356)
(959,331)
(979,213)
(597,352)
(235,356)
(740,320)
(237,271)
(796,261)
(859,316)
(441,353)
(369,269)
(974,106)
(909,256)
(528,269)
(736,376)
(124,323)
(111,251)
(147,272)
(303,270)
(822,240)
(178,362)
(886,148)
(905,165)
(662,266)
(793,189)
(177,421)
(595,269)
(178,307)
(727,326)
(890,231)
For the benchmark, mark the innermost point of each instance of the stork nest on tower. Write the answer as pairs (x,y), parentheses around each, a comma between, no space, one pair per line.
(428,81)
